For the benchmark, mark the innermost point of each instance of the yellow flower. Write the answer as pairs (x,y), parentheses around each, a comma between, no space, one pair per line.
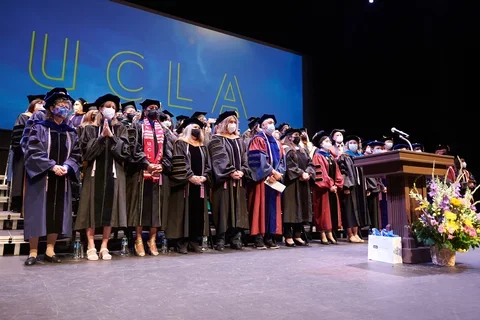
(455,202)
(468,222)
(450,215)
(461,250)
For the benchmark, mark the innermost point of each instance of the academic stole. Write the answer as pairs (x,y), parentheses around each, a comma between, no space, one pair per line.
(149,149)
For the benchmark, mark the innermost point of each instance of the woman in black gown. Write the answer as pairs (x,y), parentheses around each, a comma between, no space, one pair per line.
(188,215)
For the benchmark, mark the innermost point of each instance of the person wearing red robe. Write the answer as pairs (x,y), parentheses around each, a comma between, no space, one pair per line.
(265,160)
(328,180)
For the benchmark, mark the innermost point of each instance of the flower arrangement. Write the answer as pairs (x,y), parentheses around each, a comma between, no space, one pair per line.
(448,218)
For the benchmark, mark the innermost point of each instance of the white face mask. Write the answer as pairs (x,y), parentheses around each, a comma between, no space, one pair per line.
(353,147)
(232,127)
(368,150)
(418,150)
(167,123)
(326,145)
(464,165)
(377,151)
(389,145)
(108,113)
(339,139)
(270,128)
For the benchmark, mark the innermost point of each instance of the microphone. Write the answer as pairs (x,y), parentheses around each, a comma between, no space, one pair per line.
(395,130)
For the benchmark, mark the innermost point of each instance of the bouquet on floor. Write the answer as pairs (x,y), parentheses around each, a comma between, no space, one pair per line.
(448,218)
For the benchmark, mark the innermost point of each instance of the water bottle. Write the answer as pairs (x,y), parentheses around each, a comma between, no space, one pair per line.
(124,251)
(164,247)
(77,249)
(204,244)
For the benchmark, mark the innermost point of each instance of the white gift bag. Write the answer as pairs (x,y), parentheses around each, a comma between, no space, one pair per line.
(385,249)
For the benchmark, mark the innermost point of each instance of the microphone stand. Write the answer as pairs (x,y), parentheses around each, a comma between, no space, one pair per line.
(403,138)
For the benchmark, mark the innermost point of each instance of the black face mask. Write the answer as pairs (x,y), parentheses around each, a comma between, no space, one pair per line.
(296,140)
(130,116)
(120,118)
(152,114)
(196,133)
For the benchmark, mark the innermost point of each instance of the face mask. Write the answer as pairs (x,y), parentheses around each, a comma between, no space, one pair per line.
(296,140)
(60,112)
(270,128)
(418,150)
(120,118)
(167,123)
(196,133)
(389,145)
(339,139)
(326,145)
(232,127)
(464,164)
(108,113)
(377,151)
(368,150)
(353,147)
(152,114)
(130,116)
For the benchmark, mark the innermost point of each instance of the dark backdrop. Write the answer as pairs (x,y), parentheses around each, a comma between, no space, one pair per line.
(408,64)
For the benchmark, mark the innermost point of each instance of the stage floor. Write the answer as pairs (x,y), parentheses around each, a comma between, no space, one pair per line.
(318,282)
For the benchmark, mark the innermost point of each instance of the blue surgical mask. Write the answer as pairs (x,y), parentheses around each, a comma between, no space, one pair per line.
(60,112)
(353,147)
(270,128)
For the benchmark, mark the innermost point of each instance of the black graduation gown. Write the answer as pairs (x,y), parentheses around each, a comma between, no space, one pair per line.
(103,197)
(147,203)
(181,215)
(18,162)
(373,202)
(229,197)
(296,198)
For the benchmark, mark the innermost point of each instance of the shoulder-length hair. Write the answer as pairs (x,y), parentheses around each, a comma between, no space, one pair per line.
(287,141)
(186,134)
(222,127)
(87,119)
(31,106)
(49,114)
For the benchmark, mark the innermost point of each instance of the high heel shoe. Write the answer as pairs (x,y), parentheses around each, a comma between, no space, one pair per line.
(139,248)
(152,247)
(287,244)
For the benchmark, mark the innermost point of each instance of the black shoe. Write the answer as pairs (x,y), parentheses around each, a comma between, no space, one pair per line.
(290,244)
(52,259)
(220,245)
(195,247)
(300,243)
(236,245)
(259,244)
(30,261)
(271,244)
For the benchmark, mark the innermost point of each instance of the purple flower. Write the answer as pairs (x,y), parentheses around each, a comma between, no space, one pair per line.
(474,209)
(445,204)
(433,189)
(457,189)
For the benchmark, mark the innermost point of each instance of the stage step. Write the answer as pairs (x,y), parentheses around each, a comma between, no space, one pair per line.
(9,220)
(12,238)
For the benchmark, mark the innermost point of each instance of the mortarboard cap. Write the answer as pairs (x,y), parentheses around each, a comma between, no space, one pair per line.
(289,132)
(352,137)
(150,102)
(375,143)
(225,115)
(129,104)
(197,114)
(265,117)
(168,113)
(253,123)
(385,138)
(342,131)
(88,106)
(108,97)
(35,97)
(417,145)
(282,125)
(190,121)
(318,138)
(400,146)
(181,117)
(55,94)
(251,119)
(442,146)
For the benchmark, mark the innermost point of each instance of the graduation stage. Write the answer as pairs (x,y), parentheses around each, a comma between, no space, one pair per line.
(317,282)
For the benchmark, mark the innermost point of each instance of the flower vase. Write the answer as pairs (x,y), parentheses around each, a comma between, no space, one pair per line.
(443,257)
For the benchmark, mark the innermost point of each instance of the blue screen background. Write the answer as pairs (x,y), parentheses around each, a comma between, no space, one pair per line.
(137,55)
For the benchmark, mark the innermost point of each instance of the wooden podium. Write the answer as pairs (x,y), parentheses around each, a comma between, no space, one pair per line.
(402,169)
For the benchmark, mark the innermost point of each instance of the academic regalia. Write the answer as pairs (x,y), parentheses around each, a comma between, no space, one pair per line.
(188,214)
(296,198)
(18,162)
(374,186)
(103,198)
(354,205)
(49,206)
(229,197)
(326,205)
(264,155)
(148,196)
(37,116)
